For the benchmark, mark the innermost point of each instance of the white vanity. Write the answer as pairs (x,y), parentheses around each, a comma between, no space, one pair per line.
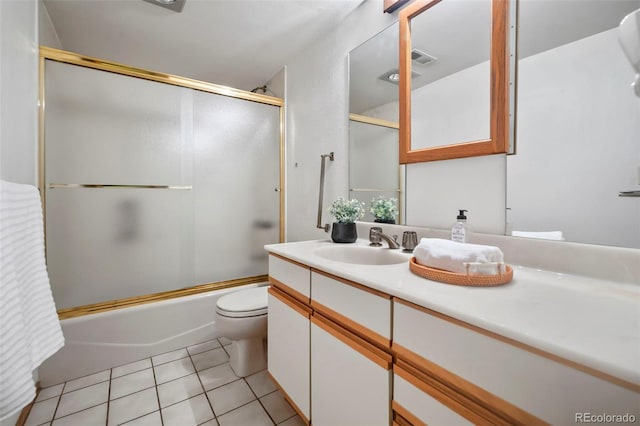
(354,344)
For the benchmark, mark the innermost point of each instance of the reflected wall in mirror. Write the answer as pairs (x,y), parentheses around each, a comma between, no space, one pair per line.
(374,168)
(454,76)
(578,125)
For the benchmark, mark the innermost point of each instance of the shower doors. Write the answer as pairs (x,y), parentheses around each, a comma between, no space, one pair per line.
(153,187)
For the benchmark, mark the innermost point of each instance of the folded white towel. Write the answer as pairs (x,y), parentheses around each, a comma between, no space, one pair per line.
(29,328)
(545,235)
(452,256)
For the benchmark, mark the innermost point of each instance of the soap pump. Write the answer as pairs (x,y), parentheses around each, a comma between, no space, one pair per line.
(460,231)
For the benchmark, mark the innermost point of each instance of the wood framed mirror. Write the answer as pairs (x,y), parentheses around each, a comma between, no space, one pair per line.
(494,117)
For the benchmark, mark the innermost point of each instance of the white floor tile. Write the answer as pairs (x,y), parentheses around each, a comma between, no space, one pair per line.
(277,407)
(211,422)
(230,396)
(42,412)
(132,406)
(152,419)
(169,356)
(251,414)
(179,390)
(143,364)
(203,347)
(209,359)
(83,382)
(83,398)
(173,370)
(94,416)
(131,383)
(293,421)
(261,383)
(191,412)
(224,341)
(50,392)
(217,376)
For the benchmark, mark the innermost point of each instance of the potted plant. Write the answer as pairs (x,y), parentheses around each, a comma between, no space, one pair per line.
(346,212)
(384,209)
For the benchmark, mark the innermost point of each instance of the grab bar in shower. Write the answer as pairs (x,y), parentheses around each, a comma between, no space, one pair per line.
(323,157)
(83,185)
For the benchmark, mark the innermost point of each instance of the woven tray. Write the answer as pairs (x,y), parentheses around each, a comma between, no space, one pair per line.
(461,279)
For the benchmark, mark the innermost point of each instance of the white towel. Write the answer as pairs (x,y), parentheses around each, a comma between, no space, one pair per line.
(545,235)
(29,328)
(452,256)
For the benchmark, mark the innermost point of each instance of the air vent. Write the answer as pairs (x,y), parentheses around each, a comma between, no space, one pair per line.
(421,57)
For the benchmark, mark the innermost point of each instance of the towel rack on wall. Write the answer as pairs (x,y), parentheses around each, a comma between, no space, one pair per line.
(323,157)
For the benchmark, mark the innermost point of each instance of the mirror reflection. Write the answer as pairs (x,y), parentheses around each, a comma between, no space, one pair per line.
(578,126)
(450,74)
(374,168)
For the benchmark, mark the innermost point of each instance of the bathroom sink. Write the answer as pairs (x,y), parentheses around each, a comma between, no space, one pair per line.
(360,255)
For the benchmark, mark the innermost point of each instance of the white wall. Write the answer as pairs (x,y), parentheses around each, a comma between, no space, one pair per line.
(18,90)
(47,35)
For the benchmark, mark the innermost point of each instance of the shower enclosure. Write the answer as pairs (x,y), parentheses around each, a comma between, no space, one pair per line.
(153,184)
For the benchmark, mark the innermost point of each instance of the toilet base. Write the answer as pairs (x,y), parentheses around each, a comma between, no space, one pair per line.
(248,356)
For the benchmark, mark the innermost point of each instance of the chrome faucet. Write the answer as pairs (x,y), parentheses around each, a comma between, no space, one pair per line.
(376,235)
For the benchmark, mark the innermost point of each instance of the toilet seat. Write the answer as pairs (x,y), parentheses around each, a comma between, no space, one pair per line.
(244,303)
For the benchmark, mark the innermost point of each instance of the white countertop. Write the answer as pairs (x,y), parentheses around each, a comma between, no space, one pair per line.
(590,321)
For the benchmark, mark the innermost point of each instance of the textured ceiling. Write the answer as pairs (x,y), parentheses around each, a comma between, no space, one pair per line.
(237,43)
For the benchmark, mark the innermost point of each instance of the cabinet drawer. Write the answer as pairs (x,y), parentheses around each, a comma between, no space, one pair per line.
(418,406)
(363,311)
(481,363)
(291,277)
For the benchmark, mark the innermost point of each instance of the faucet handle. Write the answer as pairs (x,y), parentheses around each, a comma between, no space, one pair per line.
(374,236)
(409,240)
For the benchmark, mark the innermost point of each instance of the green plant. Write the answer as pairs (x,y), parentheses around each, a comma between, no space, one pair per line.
(346,211)
(384,208)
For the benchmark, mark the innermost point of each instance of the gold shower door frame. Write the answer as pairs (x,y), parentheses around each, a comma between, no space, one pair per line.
(47,53)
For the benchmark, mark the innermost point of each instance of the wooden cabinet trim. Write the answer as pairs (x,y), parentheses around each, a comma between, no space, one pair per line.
(585,369)
(402,416)
(288,399)
(457,393)
(359,330)
(375,354)
(289,291)
(297,306)
(286,259)
(353,284)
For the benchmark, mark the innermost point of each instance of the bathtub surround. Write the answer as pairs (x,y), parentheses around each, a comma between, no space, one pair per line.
(29,325)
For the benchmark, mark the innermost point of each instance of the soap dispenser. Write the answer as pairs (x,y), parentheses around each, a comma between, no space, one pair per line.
(460,231)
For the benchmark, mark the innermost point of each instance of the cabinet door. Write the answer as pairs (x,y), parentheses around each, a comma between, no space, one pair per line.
(350,378)
(288,349)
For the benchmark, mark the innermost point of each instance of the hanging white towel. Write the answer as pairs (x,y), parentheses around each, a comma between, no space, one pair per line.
(452,256)
(29,327)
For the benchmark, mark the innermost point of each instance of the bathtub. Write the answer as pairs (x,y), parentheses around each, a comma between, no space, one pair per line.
(105,340)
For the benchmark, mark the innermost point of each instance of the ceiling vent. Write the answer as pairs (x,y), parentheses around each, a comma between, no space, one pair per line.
(175,5)
(421,57)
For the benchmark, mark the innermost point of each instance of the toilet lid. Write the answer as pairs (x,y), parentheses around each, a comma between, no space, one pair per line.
(250,302)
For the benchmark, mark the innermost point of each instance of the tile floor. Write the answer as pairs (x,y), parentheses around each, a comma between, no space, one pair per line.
(188,387)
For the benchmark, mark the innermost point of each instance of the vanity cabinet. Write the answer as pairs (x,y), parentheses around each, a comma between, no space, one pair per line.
(288,331)
(489,379)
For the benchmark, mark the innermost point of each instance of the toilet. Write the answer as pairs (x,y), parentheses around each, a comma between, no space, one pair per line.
(241,317)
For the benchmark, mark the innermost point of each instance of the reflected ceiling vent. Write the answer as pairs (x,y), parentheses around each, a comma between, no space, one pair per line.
(175,5)
(393,76)
(421,57)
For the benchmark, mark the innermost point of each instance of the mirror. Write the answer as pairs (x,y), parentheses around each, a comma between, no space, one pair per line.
(578,125)
(373,122)
(454,75)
